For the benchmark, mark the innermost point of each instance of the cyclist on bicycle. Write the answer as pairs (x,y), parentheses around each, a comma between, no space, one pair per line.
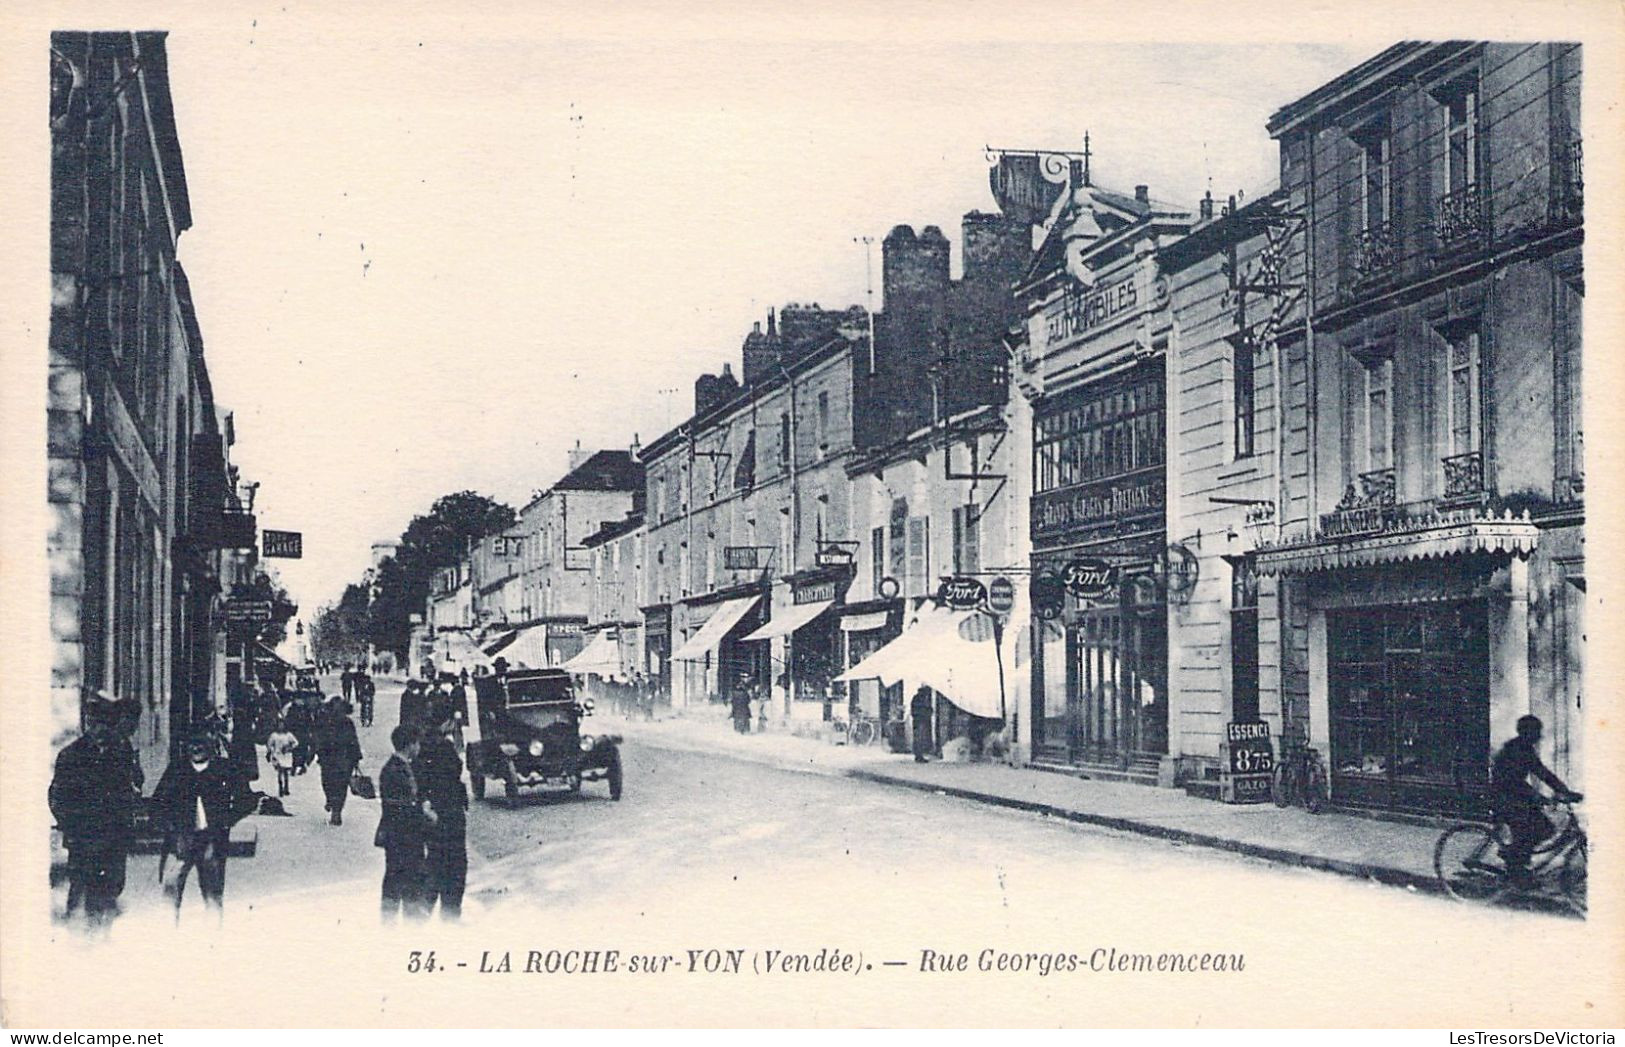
(1517,803)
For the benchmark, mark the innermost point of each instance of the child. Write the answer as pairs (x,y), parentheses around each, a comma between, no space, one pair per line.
(279,749)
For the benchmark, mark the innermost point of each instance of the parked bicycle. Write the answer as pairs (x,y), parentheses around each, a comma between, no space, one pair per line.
(1300,779)
(860,730)
(1470,861)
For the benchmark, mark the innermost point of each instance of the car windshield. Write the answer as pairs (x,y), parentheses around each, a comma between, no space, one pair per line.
(543,690)
(540,717)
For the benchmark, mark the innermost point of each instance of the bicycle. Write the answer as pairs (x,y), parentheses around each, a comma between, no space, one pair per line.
(1300,779)
(859,730)
(1470,864)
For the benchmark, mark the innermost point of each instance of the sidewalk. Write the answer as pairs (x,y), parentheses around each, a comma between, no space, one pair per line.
(1386,852)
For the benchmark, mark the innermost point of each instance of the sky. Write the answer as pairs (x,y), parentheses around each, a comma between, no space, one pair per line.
(429,257)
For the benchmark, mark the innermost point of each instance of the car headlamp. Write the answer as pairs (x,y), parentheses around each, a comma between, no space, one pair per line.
(508,749)
(536,747)
(586,742)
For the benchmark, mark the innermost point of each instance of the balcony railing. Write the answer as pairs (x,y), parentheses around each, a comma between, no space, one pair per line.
(1378,254)
(1464,476)
(1368,505)
(1460,219)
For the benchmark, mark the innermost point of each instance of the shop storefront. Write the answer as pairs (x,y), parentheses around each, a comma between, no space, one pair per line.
(657,651)
(714,661)
(1100,667)
(805,641)
(866,628)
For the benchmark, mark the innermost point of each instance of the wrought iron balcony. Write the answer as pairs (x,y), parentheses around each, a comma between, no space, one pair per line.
(1460,219)
(1378,253)
(1464,476)
(1367,505)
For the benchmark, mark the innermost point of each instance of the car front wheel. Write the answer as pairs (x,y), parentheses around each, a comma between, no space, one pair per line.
(614,776)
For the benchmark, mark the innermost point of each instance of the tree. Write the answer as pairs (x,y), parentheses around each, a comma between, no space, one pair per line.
(430,543)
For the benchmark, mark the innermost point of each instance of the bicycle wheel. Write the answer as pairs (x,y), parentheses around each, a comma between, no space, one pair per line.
(1314,791)
(862,732)
(1468,864)
(1573,878)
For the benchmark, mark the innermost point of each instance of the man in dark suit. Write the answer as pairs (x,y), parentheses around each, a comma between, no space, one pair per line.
(403,827)
(195,804)
(439,772)
(92,796)
(920,710)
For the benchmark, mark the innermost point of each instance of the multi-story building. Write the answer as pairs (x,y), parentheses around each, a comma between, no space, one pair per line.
(615,649)
(544,554)
(1093,368)
(1231,295)
(145,516)
(1430,550)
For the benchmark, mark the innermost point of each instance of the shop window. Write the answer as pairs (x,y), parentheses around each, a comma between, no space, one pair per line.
(1117,431)
(1243,642)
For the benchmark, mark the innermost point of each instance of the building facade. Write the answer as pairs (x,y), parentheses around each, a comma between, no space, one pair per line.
(1093,365)
(1431,557)
(146,522)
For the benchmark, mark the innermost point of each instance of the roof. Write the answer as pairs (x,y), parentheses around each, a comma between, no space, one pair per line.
(154,63)
(1121,211)
(612,530)
(604,471)
(1361,80)
(1217,234)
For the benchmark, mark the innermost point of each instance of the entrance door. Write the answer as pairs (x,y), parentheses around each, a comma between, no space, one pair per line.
(1119,686)
(1409,701)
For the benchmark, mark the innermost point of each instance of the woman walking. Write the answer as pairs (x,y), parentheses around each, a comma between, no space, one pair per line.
(339,751)
(279,752)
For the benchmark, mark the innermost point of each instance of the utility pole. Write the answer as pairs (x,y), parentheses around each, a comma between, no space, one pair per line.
(869,291)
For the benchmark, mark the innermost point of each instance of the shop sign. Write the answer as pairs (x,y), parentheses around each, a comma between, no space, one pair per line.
(1057,512)
(1180,570)
(289,545)
(1001,595)
(746,557)
(836,554)
(1084,308)
(1048,594)
(1089,578)
(248,610)
(815,592)
(961,594)
(1250,763)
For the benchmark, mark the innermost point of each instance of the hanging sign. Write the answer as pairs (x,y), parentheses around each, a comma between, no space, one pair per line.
(289,545)
(1048,595)
(248,610)
(961,594)
(1001,595)
(1180,570)
(1089,578)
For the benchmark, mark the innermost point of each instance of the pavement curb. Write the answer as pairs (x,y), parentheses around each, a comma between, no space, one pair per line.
(1276,855)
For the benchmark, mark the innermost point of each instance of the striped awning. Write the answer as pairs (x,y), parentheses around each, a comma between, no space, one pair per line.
(709,635)
(1506,536)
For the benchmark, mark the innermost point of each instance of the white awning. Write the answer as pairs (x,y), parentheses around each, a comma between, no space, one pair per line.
(601,657)
(1410,541)
(791,620)
(458,651)
(528,649)
(724,618)
(862,623)
(951,652)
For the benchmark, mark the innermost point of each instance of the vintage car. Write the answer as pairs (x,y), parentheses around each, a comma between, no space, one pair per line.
(529,734)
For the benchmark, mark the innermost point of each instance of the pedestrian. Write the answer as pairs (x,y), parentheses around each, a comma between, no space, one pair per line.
(439,772)
(193,804)
(279,753)
(740,701)
(296,715)
(403,825)
(339,750)
(93,796)
(1517,803)
(366,691)
(347,681)
(920,710)
(244,761)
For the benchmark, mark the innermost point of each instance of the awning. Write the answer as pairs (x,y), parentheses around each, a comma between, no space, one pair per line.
(862,623)
(1507,536)
(953,653)
(724,618)
(501,642)
(601,657)
(458,649)
(269,653)
(528,649)
(791,620)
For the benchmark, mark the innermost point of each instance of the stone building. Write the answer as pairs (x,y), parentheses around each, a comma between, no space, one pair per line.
(1431,544)
(146,523)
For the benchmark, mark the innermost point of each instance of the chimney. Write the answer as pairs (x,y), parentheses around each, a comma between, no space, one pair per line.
(772,323)
(636,450)
(1142,194)
(913,269)
(577,457)
(1206,212)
